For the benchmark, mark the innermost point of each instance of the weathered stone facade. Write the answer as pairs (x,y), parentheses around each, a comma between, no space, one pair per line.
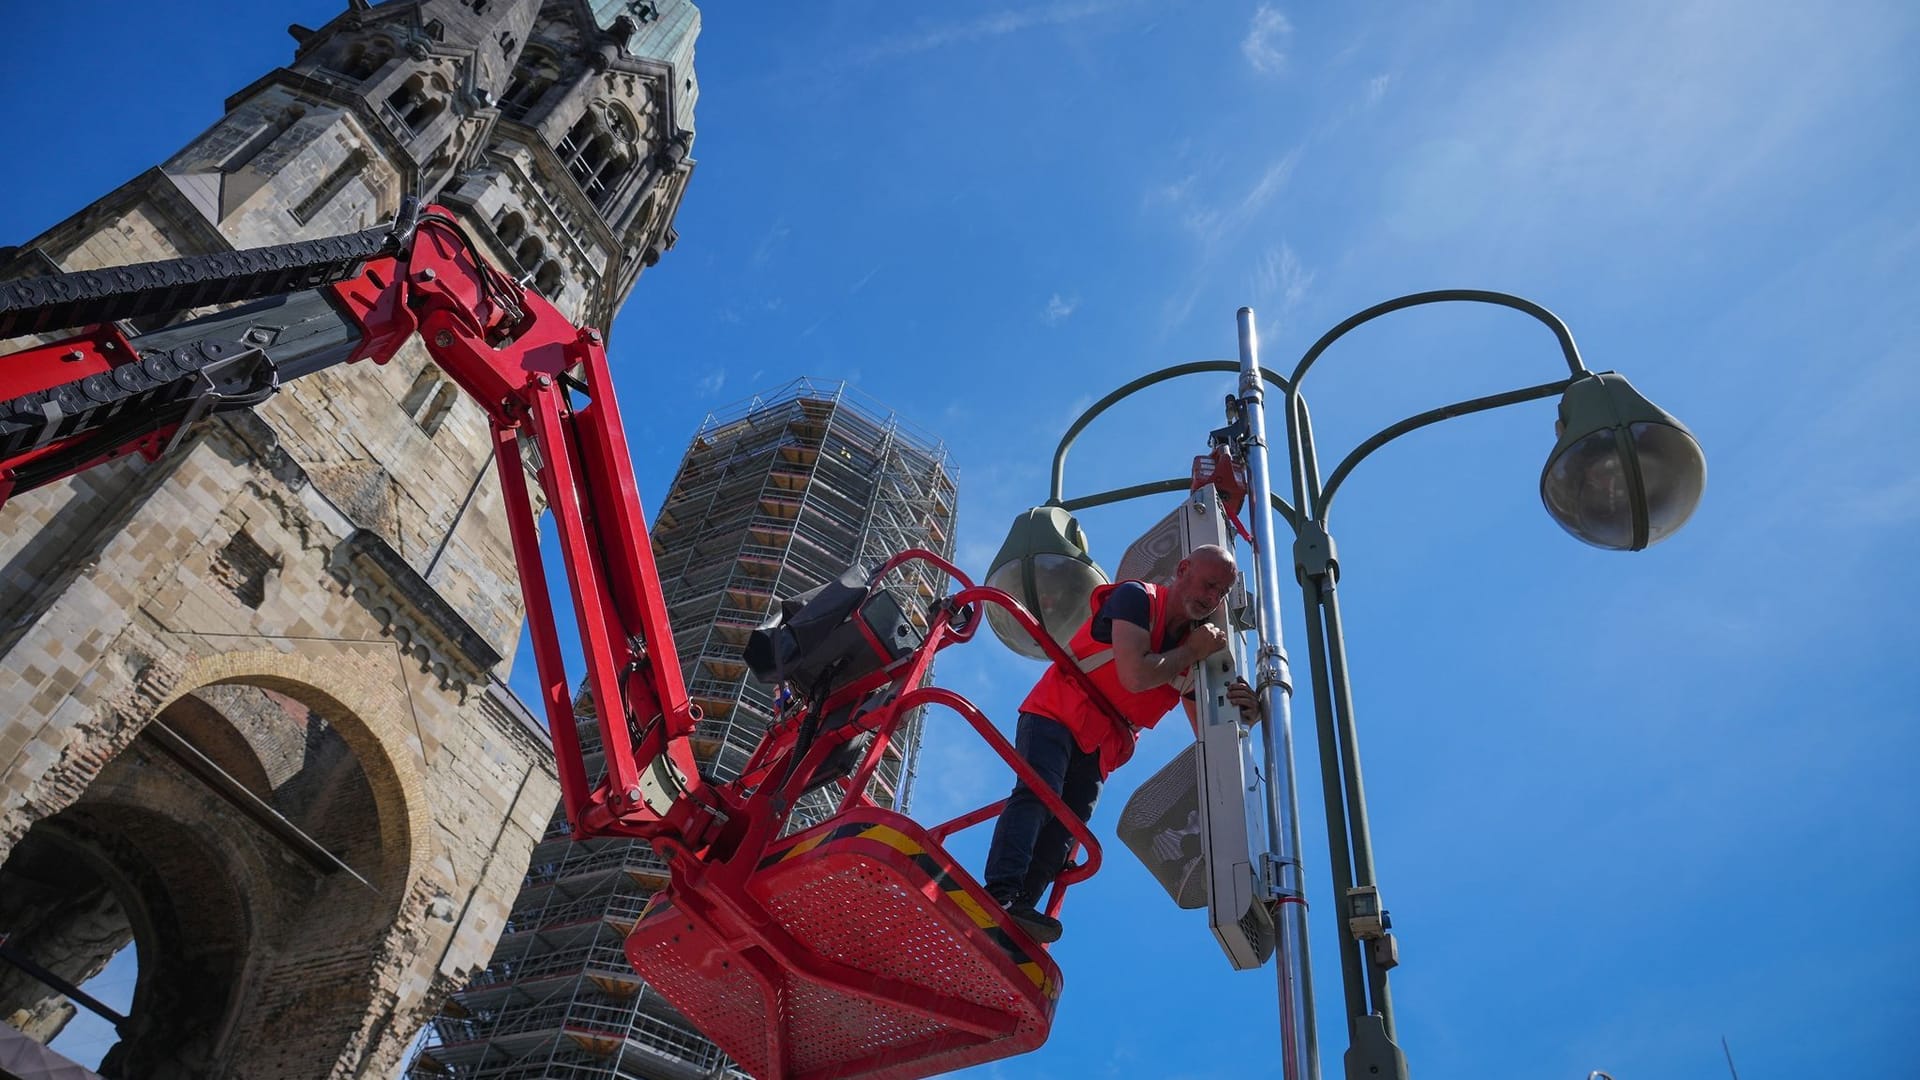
(251,715)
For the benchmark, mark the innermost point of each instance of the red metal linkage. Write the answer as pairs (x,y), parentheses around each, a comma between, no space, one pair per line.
(544,380)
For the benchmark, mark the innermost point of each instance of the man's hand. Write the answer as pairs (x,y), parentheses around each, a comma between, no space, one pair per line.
(1203,641)
(1243,698)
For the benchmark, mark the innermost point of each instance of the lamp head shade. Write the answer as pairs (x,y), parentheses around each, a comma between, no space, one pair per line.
(1624,474)
(1043,564)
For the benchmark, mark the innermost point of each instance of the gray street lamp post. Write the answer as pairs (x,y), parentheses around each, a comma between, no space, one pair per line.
(1622,475)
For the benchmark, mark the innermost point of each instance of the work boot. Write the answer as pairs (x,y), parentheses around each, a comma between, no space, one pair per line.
(1042,928)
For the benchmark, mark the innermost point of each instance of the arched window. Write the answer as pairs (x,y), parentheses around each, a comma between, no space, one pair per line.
(421,390)
(364,58)
(613,179)
(593,157)
(574,143)
(595,154)
(443,403)
(425,113)
(430,399)
(510,227)
(413,106)
(529,85)
(529,252)
(547,279)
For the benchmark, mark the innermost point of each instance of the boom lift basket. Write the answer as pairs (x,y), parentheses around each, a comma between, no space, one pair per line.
(887,960)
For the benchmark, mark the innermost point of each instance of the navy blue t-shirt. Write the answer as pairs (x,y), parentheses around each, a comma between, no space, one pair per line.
(1129,602)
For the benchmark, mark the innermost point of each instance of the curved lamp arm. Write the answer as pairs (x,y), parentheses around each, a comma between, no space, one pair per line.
(1307,492)
(1431,416)
(1442,296)
(1176,484)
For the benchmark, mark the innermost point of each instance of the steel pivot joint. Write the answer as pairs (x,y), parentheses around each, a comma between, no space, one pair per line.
(1314,555)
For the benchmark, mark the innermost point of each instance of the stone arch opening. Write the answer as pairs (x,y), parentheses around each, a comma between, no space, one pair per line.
(613,174)
(536,74)
(58,910)
(104,873)
(510,226)
(363,59)
(417,102)
(529,252)
(254,843)
(583,149)
(348,694)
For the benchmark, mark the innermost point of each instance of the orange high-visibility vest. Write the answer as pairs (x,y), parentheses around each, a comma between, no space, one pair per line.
(1059,697)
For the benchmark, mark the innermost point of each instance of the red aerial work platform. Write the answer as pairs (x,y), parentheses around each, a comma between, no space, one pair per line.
(896,965)
(857,947)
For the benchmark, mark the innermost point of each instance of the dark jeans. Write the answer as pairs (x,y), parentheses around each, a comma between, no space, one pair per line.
(1030,845)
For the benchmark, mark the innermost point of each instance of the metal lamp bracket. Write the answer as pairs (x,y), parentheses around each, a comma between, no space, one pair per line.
(1314,555)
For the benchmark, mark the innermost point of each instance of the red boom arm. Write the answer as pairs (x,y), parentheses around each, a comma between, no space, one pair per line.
(549,396)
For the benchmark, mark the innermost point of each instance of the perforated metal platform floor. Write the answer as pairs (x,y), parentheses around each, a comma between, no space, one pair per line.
(899,966)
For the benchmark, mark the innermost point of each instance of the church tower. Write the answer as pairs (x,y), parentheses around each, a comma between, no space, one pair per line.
(253,718)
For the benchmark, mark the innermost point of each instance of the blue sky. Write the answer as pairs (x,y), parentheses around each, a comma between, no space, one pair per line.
(1622,804)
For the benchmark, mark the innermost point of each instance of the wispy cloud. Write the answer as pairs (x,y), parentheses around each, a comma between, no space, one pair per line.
(711,382)
(763,253)
(997,24)
(1278,277)
(1265,43)
(1213,224)
(1272,180)
(1176,191)
(1216,228)
(864,278)
(1059,308)
(1377,88)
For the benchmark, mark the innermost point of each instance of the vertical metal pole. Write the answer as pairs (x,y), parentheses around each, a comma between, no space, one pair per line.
(1300,1049)
(1357,824)
(1352,972)
(1372,1054)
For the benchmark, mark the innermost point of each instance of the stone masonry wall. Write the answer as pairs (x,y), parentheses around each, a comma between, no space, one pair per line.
(460,783)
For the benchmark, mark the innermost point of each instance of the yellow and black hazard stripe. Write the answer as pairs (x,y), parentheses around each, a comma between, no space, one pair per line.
(982,916)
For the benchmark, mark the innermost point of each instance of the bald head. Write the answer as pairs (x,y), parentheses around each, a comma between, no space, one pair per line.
(1202,581)
(1210,554)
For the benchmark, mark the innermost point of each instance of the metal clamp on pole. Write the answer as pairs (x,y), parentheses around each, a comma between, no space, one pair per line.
(1272,669)
(1277,872)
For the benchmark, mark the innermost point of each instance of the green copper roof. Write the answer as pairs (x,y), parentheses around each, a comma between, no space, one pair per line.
(667,32)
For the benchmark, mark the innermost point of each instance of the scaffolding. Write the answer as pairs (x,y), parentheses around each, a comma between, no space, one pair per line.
(775,496)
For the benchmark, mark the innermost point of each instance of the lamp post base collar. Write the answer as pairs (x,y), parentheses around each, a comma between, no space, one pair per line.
(1373,1055)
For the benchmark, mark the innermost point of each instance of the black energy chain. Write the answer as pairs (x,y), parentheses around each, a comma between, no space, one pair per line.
(41,305)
